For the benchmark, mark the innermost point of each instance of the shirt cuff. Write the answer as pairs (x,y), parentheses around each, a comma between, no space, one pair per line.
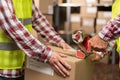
(48,56)
(62,41)
(45,56)
(102,36)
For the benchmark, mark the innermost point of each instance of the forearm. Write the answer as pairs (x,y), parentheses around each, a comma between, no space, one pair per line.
(42,26)
(111,30)
(14,29)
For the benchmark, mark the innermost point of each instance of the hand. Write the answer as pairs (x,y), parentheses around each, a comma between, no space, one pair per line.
(59,65)
(65,46)
(97,43)
(96,57)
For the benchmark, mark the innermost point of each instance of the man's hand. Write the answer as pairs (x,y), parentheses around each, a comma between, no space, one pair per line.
(97,43)
(97,57)
(99,47)
(59,65)
(65,46)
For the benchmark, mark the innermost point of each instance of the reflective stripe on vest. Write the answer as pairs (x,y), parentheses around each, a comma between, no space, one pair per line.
(10,55)
(26,21)
(8,46)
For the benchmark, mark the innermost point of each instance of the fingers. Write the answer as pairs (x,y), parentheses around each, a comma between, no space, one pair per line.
(98,43)
(59,65)
(58,70)
(62,55)
(65,64)
(65,46)
(63,70)
(97,57)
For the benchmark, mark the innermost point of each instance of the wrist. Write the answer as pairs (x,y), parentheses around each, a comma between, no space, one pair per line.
(101,54)
(61,43)
(101,36)
(45,56)
(48,56)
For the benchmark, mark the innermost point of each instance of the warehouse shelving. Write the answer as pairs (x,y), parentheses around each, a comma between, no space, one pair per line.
(68,7)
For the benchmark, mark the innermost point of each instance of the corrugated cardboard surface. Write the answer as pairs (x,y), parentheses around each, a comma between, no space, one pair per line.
(75,23)
(84,1)
(46,6)
(88,11)
(82,69)
(92,1)
(106,1)
(104,14)
(88,24)
(100,23)
(78,1)
(60,1)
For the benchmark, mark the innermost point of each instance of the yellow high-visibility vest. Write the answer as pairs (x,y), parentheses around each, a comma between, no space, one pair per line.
(11,57)
(115,12)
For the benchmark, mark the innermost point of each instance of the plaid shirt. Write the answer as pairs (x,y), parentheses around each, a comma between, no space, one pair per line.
(111,31)
(26,42)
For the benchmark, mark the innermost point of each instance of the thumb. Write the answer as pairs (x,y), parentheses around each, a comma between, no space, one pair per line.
(96,57)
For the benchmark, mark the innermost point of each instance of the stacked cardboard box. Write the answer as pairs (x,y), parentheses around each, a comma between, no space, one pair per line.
(88,11)
(88,18)
(78,1)
(75,23)
(102,19)
(91,1)
(60,1)
(88,24)
(106,1)
(84,1)
(46,7)
(82,69)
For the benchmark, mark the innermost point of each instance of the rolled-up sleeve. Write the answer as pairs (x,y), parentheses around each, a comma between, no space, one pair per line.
(111,31)
(16,31)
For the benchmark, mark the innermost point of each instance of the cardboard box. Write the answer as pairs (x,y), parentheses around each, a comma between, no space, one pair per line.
(88,11)
(84,1)
(91,1)
(100,23)
(75,26)
(102,19)
(88,24)
(46,6)
(75,23)
(104,14)
(78,1)
(60,1)
(82,69)
(106,1)
(49,17)
(105,59)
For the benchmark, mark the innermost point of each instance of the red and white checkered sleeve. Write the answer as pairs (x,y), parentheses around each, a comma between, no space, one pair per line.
(42,26)
(12,27)
(111,30)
